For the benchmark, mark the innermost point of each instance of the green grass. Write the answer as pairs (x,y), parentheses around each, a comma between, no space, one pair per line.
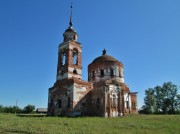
(31,115)
(140,124)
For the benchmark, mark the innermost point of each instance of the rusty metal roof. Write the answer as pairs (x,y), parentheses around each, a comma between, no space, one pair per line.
(104,58)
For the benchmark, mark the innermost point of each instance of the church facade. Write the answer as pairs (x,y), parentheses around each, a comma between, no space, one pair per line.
(104,94)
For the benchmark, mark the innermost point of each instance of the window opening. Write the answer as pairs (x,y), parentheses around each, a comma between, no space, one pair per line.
(83,104)
(98,103)
(75,57)
(134,106)
(68,104)
(62,72)
(112,72)
(75,71)
(102,72)
(51,102)
(93,74)
(120,73)
(127,104)
(64,59)
(60,103)
(114,103)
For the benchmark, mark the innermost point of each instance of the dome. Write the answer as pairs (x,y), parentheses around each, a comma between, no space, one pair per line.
(105,67)
(70,34)
(70,29)
(105,58)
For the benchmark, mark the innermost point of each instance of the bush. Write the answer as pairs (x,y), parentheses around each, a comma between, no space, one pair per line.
(29,109)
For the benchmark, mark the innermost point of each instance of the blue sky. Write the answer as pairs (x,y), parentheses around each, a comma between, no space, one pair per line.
(143,34)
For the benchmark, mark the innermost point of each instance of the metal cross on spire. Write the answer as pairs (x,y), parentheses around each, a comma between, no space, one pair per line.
(70,22)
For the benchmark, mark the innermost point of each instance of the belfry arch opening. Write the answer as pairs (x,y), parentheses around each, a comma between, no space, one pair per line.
(75,56)
(63,59)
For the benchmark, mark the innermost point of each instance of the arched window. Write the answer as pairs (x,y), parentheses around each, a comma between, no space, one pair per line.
(119,73)
(63,59)
(75,59)
(127,104)
(93,75)
(68,103)
(114,101)
(98,103)
(75,71)
(102,72)
(112,72)
(59,103)
(62,72)
(75,56)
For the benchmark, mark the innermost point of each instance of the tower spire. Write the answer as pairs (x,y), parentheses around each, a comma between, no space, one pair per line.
(70,22)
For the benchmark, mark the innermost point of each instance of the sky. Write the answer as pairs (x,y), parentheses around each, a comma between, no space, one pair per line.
(143,34)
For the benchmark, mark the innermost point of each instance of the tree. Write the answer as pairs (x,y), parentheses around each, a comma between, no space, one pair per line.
(17,109)
(167,100)
(177,103)
(171,99)
(162,99)
(159,98)
(150,101)
(10,109)
(29,109)
(1,108)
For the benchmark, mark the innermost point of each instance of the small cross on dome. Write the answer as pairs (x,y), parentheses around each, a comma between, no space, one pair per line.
(104,52)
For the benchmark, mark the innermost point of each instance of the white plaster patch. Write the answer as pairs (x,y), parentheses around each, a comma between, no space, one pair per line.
(114,113)
(127,97)
(71,69)
(77,93)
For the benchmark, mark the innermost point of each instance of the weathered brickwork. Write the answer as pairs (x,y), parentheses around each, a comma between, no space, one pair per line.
(105,94)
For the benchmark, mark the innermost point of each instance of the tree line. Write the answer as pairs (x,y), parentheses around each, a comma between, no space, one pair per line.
(16,109)
(162,100)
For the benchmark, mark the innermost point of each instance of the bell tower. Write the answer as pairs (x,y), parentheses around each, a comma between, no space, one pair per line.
(69,55)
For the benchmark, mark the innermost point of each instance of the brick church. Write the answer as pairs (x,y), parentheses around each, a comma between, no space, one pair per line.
(104,94)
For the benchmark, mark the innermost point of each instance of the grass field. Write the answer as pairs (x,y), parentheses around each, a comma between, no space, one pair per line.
(139,124)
